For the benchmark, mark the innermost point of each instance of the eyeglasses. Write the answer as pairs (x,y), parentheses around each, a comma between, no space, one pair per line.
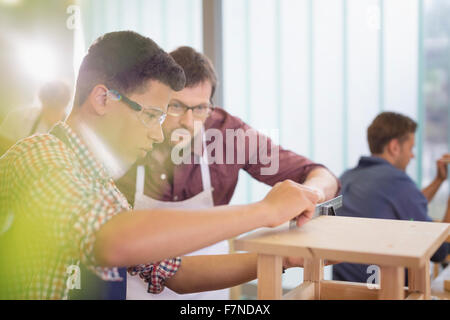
(149,116)
(177,109)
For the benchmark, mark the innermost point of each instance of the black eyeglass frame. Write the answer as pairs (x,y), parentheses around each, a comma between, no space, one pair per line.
(210,108)
(136,106)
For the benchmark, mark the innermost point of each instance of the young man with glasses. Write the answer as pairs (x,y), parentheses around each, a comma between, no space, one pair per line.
(157,182)
(60,210)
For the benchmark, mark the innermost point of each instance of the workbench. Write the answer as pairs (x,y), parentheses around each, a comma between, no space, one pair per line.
(393,245)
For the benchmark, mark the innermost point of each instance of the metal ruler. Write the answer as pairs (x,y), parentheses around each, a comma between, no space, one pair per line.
(327,208)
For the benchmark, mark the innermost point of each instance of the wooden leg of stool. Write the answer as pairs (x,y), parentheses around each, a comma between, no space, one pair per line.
(235,292)
(313,271)
(392,283)
(419,281)
(435,270)
(270,269)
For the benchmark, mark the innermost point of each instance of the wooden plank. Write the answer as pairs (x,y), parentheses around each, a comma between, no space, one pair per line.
(419,280)
(415,296)
(313,271)
(269,273)
(305,291)
(447,285)
(340,290)
(435,270)
(266,245)
(391,284)
(235,292)
(343,290)
(380,241)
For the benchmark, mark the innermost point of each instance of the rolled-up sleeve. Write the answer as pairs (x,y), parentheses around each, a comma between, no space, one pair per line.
(156,274)
(270,163)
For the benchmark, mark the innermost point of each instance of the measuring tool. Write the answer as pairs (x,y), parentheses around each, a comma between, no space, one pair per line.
(327,208)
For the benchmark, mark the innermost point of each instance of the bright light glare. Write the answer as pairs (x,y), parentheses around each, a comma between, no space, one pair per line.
(10,2)
(38,60)
(79,50)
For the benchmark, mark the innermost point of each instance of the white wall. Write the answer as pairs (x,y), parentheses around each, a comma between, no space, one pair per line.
(319,71)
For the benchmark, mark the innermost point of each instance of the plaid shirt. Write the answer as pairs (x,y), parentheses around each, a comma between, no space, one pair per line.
(54,197)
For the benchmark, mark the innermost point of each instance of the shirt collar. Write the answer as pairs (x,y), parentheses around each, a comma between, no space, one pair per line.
(86,158)
(371,161)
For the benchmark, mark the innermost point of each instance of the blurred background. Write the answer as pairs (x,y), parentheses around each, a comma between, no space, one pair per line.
(311,73)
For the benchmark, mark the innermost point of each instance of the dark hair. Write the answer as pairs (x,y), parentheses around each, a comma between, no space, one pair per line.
(388,126)
(55,93)
(197,67)
(124,61)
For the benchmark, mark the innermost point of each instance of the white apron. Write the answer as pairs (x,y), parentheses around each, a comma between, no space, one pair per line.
(136,287)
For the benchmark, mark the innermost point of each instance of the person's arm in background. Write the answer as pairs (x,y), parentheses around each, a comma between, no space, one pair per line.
(442,172)
(323,182)
(285,165)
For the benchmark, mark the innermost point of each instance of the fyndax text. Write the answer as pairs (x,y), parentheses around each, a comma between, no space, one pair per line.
(228,309)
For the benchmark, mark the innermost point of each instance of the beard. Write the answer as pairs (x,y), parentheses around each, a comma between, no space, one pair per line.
(181,137)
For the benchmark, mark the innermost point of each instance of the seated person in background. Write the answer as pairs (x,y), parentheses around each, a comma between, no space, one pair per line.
(24,122)
(380,188)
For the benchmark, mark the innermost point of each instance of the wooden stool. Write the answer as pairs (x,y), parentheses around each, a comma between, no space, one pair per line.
(391,244)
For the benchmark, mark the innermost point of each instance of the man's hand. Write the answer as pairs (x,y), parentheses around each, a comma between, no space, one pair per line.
(442,173)
(320,194)
(442,167)
(288,200)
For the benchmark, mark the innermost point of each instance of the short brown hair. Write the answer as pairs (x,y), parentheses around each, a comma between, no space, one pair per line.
(197,67)
(125,61)
(388,126)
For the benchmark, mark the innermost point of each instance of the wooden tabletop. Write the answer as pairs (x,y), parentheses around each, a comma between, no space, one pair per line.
(346,239)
